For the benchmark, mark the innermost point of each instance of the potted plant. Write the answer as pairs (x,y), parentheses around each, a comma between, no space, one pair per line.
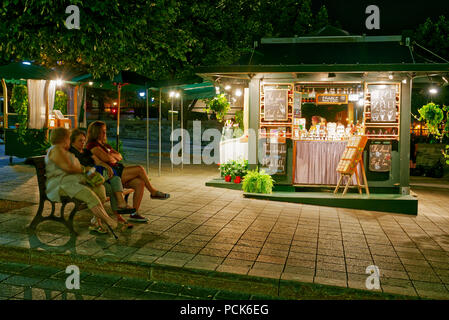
(257,182)
(218,105)
(239,170)
(225,171)
(433,115)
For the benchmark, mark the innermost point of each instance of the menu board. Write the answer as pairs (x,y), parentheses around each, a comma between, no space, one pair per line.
(332,99)
(352,154)
(380,157)
(297,96)
(383,102)
(276,105)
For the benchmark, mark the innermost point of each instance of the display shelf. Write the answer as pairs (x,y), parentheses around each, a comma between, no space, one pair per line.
(385,99)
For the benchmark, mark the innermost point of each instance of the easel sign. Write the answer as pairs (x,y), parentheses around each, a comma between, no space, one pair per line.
(352,156)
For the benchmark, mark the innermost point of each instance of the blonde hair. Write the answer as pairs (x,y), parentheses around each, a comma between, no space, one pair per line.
(58,135)
(93,131)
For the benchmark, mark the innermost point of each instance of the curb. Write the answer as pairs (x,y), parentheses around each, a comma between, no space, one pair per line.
(277,288)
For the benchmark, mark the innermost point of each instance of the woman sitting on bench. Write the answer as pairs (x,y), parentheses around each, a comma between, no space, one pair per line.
(96,143)
(65,177)
(87,159)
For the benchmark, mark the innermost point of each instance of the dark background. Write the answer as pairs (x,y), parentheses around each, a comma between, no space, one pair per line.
(395,15)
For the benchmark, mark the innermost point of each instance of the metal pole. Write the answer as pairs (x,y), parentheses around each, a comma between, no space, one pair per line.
(160,115)
(118,117)
(148,135)
(171,133)
(5,109)
(182,130)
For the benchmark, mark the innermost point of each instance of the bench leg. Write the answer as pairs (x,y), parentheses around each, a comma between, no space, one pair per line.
(38,217)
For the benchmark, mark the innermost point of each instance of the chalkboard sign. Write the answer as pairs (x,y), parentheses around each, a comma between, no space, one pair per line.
(297,96)
(383,102)
(380,157)
(276,104)
(332,99)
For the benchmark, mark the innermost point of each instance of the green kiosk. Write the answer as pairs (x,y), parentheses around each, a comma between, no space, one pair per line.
(308,96)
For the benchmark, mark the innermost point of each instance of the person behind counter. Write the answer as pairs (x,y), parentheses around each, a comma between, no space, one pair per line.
(315,122)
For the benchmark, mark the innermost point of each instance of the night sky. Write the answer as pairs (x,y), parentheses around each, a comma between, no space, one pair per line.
(395,15)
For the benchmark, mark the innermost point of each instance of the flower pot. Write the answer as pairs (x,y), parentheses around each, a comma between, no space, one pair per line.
(228,178)
(238,179)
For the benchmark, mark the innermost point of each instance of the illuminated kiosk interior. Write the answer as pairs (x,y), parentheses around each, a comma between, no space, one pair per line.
(309,95)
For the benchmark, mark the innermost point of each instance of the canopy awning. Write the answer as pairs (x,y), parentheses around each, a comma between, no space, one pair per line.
(21,71)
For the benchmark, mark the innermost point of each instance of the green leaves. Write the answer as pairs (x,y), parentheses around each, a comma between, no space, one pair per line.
(234,168)
(433,115)
(219,105)
(257,182)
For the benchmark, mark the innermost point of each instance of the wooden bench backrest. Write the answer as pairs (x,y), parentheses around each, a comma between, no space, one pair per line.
(39,164)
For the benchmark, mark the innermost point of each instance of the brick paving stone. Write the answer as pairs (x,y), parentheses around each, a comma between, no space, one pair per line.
(21,281)
(243,255)
(170,262)
(357,281)
(233,269)
(330,259)
(415,262)
(431,290)
(336,275)
(387,273)
(427,277)
(9,291)
(330,281)
(237,262)
(271,259)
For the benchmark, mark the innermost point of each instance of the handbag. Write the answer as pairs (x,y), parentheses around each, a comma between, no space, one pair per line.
(95,179)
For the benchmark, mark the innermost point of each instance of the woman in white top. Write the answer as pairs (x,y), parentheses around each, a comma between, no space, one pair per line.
(66,176)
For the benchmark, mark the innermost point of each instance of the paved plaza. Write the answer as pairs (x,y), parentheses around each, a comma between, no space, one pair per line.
(218,231)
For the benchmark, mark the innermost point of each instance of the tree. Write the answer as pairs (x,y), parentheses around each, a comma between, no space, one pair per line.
(434,35)
(161,39)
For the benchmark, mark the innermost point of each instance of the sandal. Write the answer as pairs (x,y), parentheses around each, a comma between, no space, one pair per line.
(121,220)
(97,228)
(160,195)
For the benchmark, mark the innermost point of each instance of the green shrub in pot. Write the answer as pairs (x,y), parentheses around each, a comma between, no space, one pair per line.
(257,182)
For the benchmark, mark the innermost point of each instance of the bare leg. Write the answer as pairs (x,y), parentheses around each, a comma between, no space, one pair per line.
(139,187)
(121,203)
(132,172)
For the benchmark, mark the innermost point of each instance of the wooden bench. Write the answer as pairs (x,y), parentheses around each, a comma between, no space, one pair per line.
(39,164)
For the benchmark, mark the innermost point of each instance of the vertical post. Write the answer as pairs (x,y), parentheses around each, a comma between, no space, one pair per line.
(5,105)
(404,136)
(172,98)
(119,87)
(182,132)
(254,101)
(148,134)
(160,117)
(47,107)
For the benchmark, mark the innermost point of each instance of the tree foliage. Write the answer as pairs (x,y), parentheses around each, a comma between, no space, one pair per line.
(434,35)
(162,39)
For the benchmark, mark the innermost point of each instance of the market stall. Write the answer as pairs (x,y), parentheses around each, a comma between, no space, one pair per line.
(307,102)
